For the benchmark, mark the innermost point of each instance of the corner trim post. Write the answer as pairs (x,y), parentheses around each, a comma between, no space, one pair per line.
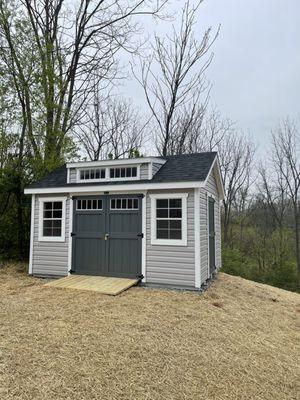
(30,269)
(197,239)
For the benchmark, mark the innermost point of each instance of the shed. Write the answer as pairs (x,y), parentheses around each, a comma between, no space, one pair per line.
(155,218)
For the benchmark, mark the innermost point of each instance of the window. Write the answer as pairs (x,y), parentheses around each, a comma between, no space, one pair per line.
(108,173)
(52,219)
(126,172)
(124,204)
(89,204)
(92,174)
(169,219)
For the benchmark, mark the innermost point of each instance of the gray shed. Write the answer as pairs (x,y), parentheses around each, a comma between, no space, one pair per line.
(156,218)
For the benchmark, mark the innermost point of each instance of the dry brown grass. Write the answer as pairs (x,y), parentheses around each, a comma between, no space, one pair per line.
(240,340)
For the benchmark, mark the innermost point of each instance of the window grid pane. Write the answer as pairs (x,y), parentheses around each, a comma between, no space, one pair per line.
(169,219)
(89,205)
(126,172)
(124,204)
(134,171)
(52,219)
(87,174)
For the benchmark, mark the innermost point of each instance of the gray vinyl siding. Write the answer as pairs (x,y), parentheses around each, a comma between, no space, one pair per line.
(144,171)
(172,265)
(211,188)
(50,258)
(73,175)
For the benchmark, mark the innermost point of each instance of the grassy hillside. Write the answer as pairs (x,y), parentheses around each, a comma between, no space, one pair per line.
(238,340)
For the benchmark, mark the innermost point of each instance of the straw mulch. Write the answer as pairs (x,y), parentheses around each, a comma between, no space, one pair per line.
(239,340)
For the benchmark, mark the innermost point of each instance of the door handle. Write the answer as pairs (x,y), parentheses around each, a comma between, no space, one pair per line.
(106,237)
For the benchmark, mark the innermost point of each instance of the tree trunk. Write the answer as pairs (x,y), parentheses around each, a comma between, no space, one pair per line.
(226,223)
(20,224)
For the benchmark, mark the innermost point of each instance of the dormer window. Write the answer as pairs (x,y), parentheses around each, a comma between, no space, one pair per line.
(92,174)
(126,172)
(107,174)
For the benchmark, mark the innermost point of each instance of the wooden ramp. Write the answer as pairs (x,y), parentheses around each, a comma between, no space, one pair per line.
(100,284)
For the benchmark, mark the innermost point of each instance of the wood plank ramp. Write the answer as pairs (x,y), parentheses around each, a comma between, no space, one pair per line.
(101,284)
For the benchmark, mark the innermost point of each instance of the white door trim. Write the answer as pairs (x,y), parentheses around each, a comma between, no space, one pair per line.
(144,240)
(210,195)
(70,247)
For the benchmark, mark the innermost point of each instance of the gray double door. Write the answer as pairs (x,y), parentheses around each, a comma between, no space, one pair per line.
(107,236)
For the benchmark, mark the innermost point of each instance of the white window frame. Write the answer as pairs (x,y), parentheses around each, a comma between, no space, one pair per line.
(43,238)
(91,180)
(107,174)
(169,242)
(132,178)
(124,209)
(88,209)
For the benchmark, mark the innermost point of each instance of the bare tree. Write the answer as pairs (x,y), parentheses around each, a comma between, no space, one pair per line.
(286,158)
(236,155)
(178,94)
(74,47)
(111,129)
(273,192)
(208,132)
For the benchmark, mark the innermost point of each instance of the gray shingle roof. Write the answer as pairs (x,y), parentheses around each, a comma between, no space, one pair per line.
(186,167)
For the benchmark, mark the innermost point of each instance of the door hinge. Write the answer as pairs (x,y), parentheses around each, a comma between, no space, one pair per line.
(73,234)
(141,235)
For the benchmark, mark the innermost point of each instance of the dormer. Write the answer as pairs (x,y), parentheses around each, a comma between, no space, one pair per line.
(133,169)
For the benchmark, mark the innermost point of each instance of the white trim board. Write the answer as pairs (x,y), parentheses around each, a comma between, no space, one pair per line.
(219,180)
(169,242)
(70,234)
(117,188)
(197,238)
(150,170)
(144,240)
(30,269)
(116,163)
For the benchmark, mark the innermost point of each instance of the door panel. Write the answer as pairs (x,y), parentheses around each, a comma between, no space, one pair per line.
(212,235)
(88,243)
(90,224)
(121,253)
(124,257)
(124,244)
(89,256)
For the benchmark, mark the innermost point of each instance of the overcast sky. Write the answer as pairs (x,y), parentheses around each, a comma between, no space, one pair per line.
(256,68)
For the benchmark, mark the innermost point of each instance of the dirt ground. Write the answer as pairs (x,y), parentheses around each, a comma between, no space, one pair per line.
(239,340)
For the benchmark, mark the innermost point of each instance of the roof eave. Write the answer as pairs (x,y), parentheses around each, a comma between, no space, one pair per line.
(117,188)
(105,163)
